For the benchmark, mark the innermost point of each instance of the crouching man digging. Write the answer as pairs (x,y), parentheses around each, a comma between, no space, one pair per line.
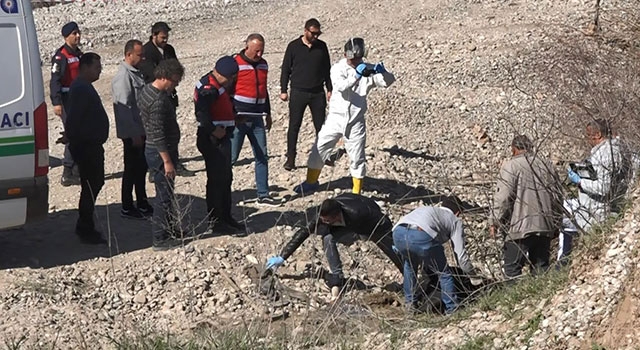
(419,237)
(344,219)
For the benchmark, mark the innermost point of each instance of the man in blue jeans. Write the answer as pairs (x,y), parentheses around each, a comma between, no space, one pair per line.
(158,113)
(251,102)
(419,237)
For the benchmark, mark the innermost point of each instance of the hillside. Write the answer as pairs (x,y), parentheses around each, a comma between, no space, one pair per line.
(470,77)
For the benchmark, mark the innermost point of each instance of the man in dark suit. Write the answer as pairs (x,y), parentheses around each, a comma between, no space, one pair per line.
(156,50)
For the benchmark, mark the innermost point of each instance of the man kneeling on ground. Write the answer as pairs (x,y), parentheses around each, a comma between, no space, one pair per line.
(344,219)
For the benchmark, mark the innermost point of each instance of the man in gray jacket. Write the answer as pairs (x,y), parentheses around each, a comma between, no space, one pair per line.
(527,208)
(125,87)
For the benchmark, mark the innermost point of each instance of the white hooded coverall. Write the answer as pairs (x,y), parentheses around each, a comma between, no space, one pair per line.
(346,117)
(594,199)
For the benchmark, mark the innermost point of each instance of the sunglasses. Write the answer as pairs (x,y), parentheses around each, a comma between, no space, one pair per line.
(318,33)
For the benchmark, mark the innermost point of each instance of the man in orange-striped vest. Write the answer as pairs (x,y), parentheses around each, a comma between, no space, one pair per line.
(251,101)
(216,122)
(65,64)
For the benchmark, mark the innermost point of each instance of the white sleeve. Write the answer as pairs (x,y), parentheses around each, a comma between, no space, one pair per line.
(457,240)
(342,80)
(384,80)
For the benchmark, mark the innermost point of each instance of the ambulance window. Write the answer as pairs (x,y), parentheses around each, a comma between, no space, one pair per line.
(12,64)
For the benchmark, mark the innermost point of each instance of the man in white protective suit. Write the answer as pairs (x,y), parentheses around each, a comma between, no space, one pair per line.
(352,80)
(601,181)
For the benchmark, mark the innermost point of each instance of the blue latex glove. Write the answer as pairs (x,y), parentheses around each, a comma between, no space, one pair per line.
(379,68)
(364,70)
(573,176)
(274,262)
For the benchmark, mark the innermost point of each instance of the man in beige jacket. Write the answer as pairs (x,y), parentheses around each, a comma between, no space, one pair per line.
(527,208)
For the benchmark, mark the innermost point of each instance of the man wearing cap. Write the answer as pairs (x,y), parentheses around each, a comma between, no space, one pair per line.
(527,207)
(216,121)
(65,64)
(307,64)
(156,50)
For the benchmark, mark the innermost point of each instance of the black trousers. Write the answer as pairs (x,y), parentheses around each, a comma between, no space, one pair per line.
(217,160)
(134,176)
(90,161)
(383,238)
(298,102)
(533,251)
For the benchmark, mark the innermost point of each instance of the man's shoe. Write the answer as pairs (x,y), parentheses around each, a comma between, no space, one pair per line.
(306,188)
(269,201)
(91,237)
(167,244)
(68,178)
(290,164)
(225,226)
(184,172)
(146,209)
(231,222)
(132,213)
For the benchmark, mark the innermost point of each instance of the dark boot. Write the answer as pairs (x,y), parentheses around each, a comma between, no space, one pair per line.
(89,236)
(184,172)
(290,164)
(69,178)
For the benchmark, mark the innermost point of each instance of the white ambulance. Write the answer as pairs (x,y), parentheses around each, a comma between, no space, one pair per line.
(24,153)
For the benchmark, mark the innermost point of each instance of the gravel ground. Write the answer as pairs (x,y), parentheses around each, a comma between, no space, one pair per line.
(444,127)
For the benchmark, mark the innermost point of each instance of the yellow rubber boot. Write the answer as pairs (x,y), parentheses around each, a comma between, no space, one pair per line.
(357,185)
(313,175)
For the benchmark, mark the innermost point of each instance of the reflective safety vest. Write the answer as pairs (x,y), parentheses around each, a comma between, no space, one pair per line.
(221,111)
(71,72)
(251,87)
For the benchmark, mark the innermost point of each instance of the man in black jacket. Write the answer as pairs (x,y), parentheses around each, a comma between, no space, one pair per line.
(307,64)
(87,128)
(156,50)
(345,219)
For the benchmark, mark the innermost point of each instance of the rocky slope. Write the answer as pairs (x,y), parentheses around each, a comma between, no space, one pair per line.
(444,127)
